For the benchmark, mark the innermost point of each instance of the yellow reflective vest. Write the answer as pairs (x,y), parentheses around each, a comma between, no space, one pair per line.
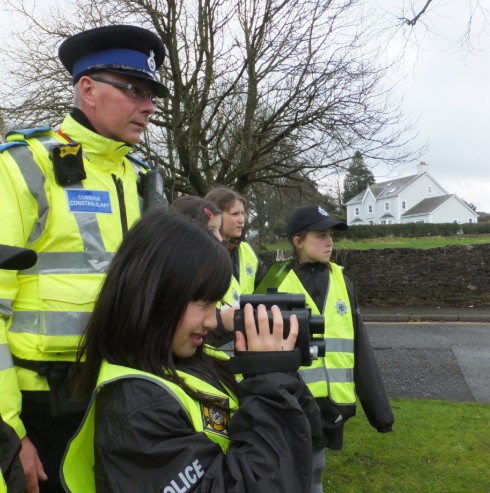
(75,230)
(77,469)
(332,375)
(248,263)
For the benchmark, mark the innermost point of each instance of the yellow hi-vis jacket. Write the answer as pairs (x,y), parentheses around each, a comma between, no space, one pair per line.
(332,375)
(77,469)
(75,230)
(248,269)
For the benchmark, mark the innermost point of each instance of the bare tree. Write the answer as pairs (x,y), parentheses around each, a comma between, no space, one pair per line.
(417,17)
(262,91)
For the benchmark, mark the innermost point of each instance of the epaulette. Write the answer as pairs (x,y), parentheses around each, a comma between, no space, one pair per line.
(28,132)
(138,161)
(8,145)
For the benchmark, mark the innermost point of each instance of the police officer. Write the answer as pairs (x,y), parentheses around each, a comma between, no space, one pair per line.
(70,195)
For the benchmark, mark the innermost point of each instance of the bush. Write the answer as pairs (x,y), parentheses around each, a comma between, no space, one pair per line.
(412,230)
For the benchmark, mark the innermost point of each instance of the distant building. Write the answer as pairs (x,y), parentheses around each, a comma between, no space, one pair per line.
(411,199)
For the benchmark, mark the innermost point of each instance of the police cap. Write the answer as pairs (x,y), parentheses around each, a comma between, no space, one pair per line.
(125,49)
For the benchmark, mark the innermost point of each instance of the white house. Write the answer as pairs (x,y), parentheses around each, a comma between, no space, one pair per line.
(411,199)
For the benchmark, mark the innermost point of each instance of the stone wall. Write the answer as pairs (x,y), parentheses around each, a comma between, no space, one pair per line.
(448,276)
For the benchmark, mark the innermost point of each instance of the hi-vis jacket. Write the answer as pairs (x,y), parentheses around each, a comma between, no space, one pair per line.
(332,375)
(349,367)
(79,461)
(151,436)
(75,230)
(248,264)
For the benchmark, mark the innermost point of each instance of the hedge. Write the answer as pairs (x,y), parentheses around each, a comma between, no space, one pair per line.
(412,230)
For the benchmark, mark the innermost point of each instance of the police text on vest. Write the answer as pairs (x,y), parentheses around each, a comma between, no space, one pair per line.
(189,476)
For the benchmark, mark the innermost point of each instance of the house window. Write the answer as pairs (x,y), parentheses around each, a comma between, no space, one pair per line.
(357,211)
(387,206)
(371,222)
(370,209)
(383,221)
(404,205)
(470,220)
(429,189)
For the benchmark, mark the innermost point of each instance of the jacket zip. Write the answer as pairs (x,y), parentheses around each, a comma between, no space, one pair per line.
(122,205)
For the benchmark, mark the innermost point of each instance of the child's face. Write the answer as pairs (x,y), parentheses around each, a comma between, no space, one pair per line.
(233,221)
(315,247)
(198,319)
(214,225)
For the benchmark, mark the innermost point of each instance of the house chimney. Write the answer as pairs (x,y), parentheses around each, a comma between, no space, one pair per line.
(422,167)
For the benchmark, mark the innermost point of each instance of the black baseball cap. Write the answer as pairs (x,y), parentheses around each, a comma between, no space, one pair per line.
(312,218)
(130,50)
(15,258)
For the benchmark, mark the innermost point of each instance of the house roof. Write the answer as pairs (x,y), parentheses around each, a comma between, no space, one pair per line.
(392,188)
(384,216)
(385,189)
(427,205)
(357,199)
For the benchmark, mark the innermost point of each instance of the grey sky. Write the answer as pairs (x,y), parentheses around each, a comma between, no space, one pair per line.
(445,88)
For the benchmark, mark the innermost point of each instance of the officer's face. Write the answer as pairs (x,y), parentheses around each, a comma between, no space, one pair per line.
(115,112)
(316,246)
(199,318)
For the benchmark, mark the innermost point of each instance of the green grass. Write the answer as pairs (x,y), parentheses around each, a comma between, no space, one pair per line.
(435,447)
(419,242)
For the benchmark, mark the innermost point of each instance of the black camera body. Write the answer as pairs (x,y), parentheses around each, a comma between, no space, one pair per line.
(309,325)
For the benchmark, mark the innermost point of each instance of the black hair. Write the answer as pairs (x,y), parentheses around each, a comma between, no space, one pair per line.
(164,263)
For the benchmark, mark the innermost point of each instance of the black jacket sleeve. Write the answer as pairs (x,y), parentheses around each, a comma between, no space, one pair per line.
(369,383)
(144,440)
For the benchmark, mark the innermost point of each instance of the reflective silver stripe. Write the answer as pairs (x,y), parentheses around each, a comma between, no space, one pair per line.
(89,228)
(340,375)
(5,357)
(312,375)
(53,323)
(35,179)
(5,307)
(336,375)
(339,345)
(71,263)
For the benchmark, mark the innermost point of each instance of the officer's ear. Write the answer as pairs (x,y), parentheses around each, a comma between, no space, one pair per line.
(87,91)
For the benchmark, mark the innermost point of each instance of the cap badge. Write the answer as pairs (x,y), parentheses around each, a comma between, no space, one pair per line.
(323,212)
(151,61)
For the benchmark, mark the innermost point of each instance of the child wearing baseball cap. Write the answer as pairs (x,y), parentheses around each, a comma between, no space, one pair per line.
(349,367)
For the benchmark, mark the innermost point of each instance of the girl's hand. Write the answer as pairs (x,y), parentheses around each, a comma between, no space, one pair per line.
(261,338)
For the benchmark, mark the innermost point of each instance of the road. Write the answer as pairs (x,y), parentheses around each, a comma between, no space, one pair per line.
(447,361)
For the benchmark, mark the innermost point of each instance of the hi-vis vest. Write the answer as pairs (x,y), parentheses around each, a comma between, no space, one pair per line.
(248,269)
(332,375)
(75,229)
(78,463)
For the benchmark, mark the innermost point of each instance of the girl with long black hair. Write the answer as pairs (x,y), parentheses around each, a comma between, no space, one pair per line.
(168,413)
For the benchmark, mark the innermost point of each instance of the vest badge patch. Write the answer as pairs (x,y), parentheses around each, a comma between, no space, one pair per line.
(249,270)
(216,419)
(80,200)
(341,307)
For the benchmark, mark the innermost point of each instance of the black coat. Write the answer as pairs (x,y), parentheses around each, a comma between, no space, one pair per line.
(144,440)
(10,464)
